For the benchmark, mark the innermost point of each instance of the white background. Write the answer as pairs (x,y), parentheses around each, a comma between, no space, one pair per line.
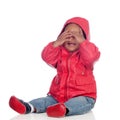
(26,26)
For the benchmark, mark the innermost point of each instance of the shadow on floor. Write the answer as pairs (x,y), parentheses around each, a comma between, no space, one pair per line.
(43,116)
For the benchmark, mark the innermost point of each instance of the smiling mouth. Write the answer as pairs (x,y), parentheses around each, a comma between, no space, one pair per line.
(71,44)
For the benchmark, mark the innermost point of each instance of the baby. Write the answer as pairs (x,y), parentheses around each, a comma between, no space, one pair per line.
(73,89)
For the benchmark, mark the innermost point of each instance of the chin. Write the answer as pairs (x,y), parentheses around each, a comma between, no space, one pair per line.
(72,50)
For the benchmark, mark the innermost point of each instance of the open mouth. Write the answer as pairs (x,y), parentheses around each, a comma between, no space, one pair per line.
(71,43)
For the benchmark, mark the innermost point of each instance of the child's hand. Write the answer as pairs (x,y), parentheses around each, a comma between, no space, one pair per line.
(78,36)
(61,39)
(68,36)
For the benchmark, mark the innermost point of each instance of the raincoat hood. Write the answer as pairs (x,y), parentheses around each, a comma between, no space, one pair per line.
(82,22)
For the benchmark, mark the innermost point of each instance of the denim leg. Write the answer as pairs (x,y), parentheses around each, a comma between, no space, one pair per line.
(40,104)
(79,105)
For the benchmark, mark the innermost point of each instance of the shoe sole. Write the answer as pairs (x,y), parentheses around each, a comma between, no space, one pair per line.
(16,105)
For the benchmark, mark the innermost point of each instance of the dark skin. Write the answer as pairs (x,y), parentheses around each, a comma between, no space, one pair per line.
(71,38)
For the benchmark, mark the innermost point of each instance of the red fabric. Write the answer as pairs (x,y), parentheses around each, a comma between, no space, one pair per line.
(74,71)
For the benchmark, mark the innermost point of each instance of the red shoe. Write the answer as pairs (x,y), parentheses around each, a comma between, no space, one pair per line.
(57,110)
(17,105)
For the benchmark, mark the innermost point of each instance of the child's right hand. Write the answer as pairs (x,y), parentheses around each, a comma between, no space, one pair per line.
(61,39)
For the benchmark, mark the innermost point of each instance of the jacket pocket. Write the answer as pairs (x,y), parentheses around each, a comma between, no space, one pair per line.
(83,80)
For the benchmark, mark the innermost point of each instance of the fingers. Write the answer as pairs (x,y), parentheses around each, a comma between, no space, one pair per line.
(61,39)
(67,36)
(64,36)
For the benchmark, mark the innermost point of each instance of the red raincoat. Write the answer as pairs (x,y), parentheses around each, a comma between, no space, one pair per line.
(74,71)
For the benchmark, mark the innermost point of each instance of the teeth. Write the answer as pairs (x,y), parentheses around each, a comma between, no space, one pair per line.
(71,44)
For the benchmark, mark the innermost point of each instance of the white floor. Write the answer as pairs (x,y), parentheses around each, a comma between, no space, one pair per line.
(43,116)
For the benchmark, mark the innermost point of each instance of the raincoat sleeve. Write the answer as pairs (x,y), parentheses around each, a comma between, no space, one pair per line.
(50,54)
(89,53)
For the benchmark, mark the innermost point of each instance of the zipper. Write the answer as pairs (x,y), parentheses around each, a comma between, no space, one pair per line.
(68,76)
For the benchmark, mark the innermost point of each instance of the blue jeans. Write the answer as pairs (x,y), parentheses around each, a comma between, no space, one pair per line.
(76,106)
